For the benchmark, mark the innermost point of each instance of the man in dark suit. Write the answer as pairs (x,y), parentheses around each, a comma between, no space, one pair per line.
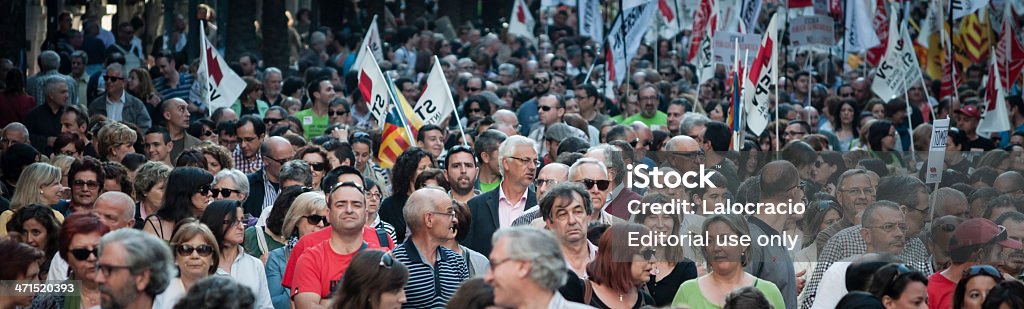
(117,104)
(498,208)
(620,194)
(264,184)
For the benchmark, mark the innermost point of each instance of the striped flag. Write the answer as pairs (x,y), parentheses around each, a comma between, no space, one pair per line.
(881,25)
(974,39)
(393,139)
(1009,52)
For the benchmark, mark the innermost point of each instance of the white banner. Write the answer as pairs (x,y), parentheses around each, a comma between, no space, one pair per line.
(937,151)
(590,21)
(961,8)
(812,30)
(629,4)
(372,41)
(750,11)
(218,85)
(436,102)
(859,34)
(899,69)
(521,22)
(374,88)
(995,117)
(761,78)
(625,37)
(671,18)
(724,47)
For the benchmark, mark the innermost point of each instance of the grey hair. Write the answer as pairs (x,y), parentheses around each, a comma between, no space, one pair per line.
(143,251)
(80,55)
(507,147)
(297,170)
(50,84)
(507,67)
(121,197)
(613,156)
(317,37)
(539,247)
(419,205)
(691,120)
(271,70)
(119,68)
(582,161)
(237,176)
(49,60)
(17,126)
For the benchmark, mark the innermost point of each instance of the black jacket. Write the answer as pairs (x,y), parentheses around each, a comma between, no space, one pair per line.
(484,208)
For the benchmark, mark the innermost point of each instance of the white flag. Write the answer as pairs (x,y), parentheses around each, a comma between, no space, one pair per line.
(590,22)
(629,4)
(521,22)
(435,103)
(374,88)
(899,69)
(750,11)
(371,40)
(705,60)
(218,85)
(547,3)
(995,118)
(859,34)
(961,8)
(671,21)
(625,37)
(761,78)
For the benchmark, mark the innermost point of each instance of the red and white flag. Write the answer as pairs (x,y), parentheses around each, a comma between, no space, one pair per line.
(521,22)
(436,102)
(374,88)
(881,26)
(761,77)
(216,84)
(1008,45)
(669,11)
(996,117)
(371,40)
(704,25)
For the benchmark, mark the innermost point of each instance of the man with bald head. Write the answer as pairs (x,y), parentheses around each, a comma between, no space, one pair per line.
(685,153)
(435,272)
(506,122)
(116,210)
(950,202)
(1011,182)
(176,120)
(549,176)
(780,185)
(264,183)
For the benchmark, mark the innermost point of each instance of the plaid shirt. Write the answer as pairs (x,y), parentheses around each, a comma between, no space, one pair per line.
(849,242)
(245,165)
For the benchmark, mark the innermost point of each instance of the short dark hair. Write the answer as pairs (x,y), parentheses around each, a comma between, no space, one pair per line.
(564,191)
(314,87)
(80,116)
(86,164)
(161,131)
(423,131)
(257,124)
(718,134)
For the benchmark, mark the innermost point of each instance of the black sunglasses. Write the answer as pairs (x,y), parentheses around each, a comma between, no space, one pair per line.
(272,120)
(636,142)
(186,250)
(319,167)
(314,219)
(204,190)
(648,254)
(83,254)
(338,113)
(601,184)
(112,78)
(473,89)
(386,260)
(545,108)
(224,191)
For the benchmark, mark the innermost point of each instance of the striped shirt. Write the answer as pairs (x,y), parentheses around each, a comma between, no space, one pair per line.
(431,286)
(182,91)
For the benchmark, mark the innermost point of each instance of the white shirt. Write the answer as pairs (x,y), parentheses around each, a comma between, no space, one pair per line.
(249,271)
(507,211)
(175,292)
(58,269)
(114,108)
(832,287)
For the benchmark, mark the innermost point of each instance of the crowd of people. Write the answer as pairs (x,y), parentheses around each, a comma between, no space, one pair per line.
(115,176)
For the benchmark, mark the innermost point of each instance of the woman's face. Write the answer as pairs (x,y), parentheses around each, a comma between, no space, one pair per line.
(70,150)
(228,183)
(723,259)
(234,229)
(212,165)
(200,200)
(133,81)
(716,114)
(640,269)
(209,135)
(878,111)
(84,269)
(51,193)
(572,106)
(314,159)
(823,171)
(32,273)
(661,223)
(831,216)
(915,296)
(889,141)
(155,196)
(372,200)
(392,300)
(35,234)
(294,108)
(977,290)
(423,165)
(194,265)
(475,110)
(846,114)
(117,154)
(362,152)
(305,227)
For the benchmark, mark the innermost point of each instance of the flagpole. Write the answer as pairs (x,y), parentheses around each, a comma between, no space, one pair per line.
(743,125)
(777,95)
(401,112)
(455,108)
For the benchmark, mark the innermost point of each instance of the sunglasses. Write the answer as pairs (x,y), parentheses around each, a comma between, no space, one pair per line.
(208,133)
(540,80)
(901,270)
(319,167)
(204,190)
(272,120)
(112,78)
(314,219)
(984,270)
(85,184)
(648,254)
(224,191)
(348,184)
(475,110)
(601,184)
(636,142)
(386,260)
(361,135)
(186,250)
(83,254)
(336,113)
(473,89)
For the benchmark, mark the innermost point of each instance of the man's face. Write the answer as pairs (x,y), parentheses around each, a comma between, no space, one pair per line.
(248,67)
(12,137)
(550,112)
(519,171)
(442,226)
(115,81)
(675,115)
(794,132)
(593,174)
(462,172)
(410,91)
(69,124)
(474,87)
(177,114)
(855,194)
(888,232)
(648,102)
(569,220)
(918,215)
(119,287)
(1014,230)
(166,66)
(326,92)
(272,83)
(505,275)
(112,213)
(228,140)
(77,66)
(347,210)
(548,177)
(433,141)
(506,77)
(59,94)
(248,140)
(155,147)
(85,187)
(124,34)
(802,83)
(541,83)
(278,156)
(968,124)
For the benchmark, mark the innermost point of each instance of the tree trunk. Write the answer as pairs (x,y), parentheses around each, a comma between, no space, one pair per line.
(241,32)
(275,34)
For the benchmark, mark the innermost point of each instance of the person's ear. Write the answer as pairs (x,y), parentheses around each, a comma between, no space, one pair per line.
(142,280)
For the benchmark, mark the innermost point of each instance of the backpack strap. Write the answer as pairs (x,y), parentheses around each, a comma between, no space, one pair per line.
(382,237)
(261,240)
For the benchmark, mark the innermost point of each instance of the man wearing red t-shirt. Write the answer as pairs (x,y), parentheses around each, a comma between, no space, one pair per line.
(975,241)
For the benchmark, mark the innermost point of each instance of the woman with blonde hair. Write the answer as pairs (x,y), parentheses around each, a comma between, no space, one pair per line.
(114,141)
(63,162)
(39,184)
(307,214)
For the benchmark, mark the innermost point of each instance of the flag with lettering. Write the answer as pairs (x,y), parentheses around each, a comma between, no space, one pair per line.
(372,41)
(624,38)
(521,22)
(995,117)
(435,103)
(374,88)
(591,23)
(859,35)
(961,8)
(216,83)
(762,77)
(704,25)
(1009,52)
(899,69)
(881,25)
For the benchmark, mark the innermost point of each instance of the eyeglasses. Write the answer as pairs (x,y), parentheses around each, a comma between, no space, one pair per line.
(901,270)
(83,254)
(924,211)
(984,270)
(541,80)
(601,184)
(859,191)
(471,89)
(336,113)
(450,214)
(475,110)
(386,260)
(208,133)
(85,184)
(527,160)
(224,191)
(891,227)
(230,223)
(281,161)
(374,195)
(107,269)
(541,182)
(800,185)
(818,163)
(319,167)
(314,219)
(690,154)
(186,250)
(204,190)
(109,78)
(648,254)
(636,142)
(545,108)
(272,121)
(495,263)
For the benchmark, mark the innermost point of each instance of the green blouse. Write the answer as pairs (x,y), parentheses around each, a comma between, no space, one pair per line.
(689,295)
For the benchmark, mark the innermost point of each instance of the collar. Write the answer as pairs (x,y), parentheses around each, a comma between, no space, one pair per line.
(376,219)
(502,196)
(557,301)
(120,100)
(414,255)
